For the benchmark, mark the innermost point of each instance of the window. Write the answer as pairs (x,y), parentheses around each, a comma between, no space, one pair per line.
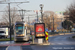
(1,31)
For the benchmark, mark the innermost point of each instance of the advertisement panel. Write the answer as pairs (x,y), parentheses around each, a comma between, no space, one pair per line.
(39,30)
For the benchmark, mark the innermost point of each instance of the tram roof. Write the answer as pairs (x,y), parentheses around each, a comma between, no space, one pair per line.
(20,22)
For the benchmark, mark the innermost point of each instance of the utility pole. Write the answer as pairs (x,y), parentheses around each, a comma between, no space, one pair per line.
(28,19)
(37,15)
(62,22)
(53,24)
(41,6)
(9,21)
(28,22)
(22,13)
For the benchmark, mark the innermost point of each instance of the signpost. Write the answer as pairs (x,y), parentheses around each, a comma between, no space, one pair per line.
(32,37)
(32,33)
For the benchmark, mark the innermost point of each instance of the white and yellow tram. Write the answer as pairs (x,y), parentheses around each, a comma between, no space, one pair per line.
(20,33)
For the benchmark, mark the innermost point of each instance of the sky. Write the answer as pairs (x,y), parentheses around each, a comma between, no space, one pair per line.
(52,5)
(49,5)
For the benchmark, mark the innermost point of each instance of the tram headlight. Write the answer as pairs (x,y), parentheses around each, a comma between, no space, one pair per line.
(20,35)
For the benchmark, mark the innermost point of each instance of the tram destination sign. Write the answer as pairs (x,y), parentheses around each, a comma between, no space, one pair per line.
(19,25)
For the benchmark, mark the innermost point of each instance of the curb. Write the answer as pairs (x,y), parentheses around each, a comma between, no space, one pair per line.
(61,34)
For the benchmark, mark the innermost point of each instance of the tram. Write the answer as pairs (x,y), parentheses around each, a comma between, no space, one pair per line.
(20,32)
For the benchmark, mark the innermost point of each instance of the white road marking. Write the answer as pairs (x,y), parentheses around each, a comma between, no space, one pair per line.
(7,48)
(14,48)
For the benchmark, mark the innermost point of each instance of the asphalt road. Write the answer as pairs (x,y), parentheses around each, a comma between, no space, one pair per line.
(50,47)
(3,48)
(6,42)
(60,42)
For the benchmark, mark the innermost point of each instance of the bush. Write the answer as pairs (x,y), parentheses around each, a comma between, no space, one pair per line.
(6,39)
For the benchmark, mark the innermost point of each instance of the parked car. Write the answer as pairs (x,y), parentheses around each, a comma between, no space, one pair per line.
(73,30)
(49,31)
(3,32)
(53,30)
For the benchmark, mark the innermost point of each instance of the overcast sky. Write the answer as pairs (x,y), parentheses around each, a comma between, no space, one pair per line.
(51,5)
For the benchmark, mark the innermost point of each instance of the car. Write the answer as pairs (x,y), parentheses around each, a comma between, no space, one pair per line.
(2,34)
(53,31)
(49,31)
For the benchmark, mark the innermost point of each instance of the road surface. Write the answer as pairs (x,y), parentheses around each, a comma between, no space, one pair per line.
(3,48)
(62,42)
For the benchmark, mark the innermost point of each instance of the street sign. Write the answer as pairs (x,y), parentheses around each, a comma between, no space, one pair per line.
(32,33)
(46,29)
(39,30)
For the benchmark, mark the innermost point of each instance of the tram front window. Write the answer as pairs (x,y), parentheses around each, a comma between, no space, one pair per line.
(19,29)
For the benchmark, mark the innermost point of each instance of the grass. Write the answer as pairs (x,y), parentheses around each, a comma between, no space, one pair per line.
(6,39)
(73,36)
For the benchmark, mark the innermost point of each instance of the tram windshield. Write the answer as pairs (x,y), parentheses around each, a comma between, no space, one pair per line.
(19,29)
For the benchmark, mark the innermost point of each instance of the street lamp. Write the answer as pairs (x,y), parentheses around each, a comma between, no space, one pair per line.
(22,12)
(50,22)
(53,24)
(41,6)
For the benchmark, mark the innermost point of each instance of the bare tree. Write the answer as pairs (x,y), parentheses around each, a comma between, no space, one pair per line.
(48,19)
(70,13)
(13,14)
